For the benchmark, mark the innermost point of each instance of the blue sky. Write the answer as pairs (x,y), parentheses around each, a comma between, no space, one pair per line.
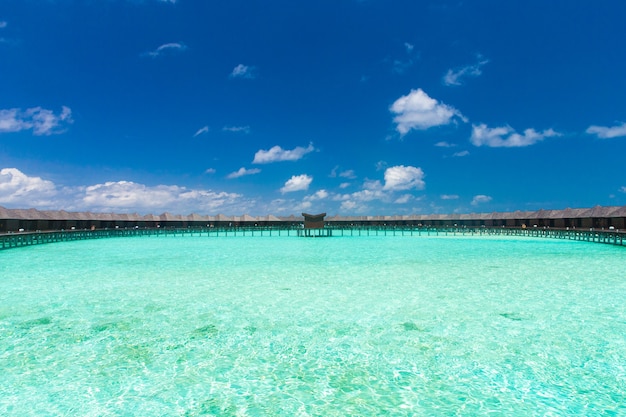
(339,106)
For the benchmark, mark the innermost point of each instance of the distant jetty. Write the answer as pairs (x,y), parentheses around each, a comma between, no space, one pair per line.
(599,217)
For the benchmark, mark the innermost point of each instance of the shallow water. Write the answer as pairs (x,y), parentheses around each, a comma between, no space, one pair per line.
(269,326)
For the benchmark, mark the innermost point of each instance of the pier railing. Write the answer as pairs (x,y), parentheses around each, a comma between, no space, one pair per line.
(22,239)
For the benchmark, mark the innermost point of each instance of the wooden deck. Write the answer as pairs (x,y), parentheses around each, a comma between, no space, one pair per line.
(16,240)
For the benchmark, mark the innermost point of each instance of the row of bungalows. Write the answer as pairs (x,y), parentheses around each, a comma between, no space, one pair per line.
(20,220)
(597,217)
(15,220)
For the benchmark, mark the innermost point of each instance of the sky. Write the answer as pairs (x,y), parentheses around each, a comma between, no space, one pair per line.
(349,107)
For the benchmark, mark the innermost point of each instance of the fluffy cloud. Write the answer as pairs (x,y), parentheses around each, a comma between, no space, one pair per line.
(19,190)
(277,154)
(404,178)
(480,199)
(607,132)
(166,48)
(297,183)
(505,136)
(128,195)
(454,76)
(242,172)
(43,122)
(243,71)
(418,111)
(319,195)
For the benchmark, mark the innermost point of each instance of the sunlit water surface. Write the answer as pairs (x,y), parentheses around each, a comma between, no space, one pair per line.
(286,326)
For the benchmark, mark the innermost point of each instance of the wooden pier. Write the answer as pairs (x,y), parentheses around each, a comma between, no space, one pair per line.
(22,239)
(315,232)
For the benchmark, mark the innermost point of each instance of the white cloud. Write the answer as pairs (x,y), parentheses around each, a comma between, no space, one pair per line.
(204,129)
(404,178)
(319,195)
(449,197)
(344,185)
(131,196)
(460,154)
(348,174)
(349,205)
(297,183)
(403,199)
(604,132)
(3,24)
(243,71)
(480,199)
(454,76)
(165,48)
(19,190)
(505,136)
(418,111)
(445,144)
(236,129)
(623,189)
(210,171)
(242,172)
(277,154)
(43,122)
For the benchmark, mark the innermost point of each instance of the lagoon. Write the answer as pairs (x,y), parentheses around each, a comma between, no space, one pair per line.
(270,326)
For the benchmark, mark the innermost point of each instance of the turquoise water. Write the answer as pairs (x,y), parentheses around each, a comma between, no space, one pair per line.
(286,326)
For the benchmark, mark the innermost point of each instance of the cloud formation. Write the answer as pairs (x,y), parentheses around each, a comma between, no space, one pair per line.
(348,173)
(418,111)
(243,172)
(204,129)
(243,71)
(18,189)
(236,129)
(604,132)
(166,48)
(454,76)
(506,137)
(480,199)
(131,196)
(402,177)
(43,122)
(278,154)
(297,183)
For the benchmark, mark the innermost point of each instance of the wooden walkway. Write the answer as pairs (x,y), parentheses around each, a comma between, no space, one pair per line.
(16,240)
